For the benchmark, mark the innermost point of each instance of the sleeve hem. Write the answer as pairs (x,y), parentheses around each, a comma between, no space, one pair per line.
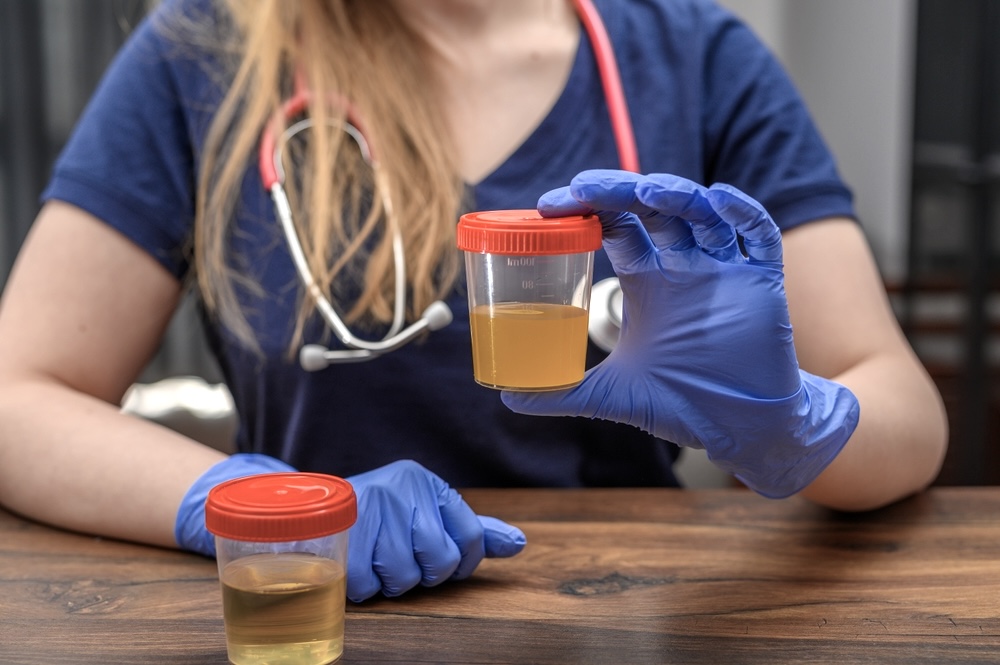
(122,215)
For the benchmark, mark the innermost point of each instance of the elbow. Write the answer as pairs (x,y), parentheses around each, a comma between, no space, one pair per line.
(937,436)
(880,466)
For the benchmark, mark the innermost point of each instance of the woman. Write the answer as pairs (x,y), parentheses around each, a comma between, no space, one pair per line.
(469,104)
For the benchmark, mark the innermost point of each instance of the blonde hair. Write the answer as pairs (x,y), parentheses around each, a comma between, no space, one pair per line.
(357,50)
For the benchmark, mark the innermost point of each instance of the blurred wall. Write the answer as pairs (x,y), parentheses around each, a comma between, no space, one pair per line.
(853,62)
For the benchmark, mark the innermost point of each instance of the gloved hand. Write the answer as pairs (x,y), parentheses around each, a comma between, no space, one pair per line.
(189,529)
(414,529)
(705,356)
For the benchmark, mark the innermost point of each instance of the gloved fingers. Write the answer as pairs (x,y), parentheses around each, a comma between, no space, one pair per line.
(463,526)
(393,558)
(586,195)
(189,527)
(362,581)
(560,203)
(191,534)
(434,550)
(612,195)
(681,199)
(610,190)
(626,242)
(380,554)
(580,400)
(761,236)
(501,539)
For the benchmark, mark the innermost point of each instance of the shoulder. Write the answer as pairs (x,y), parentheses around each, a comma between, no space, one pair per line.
(178,33)
(130,160)
(178,16)
(175,61)
(186,29)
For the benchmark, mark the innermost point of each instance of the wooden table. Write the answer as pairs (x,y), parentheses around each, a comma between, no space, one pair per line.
(608,576)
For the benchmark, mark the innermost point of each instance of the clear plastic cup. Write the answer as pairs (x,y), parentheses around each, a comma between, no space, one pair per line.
(281,545)
(529,279)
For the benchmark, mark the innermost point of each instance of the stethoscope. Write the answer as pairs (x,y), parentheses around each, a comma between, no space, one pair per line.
(605,313)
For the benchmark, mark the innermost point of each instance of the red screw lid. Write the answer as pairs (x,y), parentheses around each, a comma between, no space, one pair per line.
(275,507)
(527,233)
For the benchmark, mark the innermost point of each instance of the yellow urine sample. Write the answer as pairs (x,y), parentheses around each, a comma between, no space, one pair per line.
(529,346)
(284,609)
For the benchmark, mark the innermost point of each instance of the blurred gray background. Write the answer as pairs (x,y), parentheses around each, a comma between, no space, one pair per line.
(906,92)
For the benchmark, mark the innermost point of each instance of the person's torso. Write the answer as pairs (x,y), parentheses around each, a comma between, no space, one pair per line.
(705,102)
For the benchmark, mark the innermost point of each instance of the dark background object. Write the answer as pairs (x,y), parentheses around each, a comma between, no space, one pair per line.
(951,298)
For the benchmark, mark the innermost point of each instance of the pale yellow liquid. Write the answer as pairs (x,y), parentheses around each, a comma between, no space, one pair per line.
(529,346)
(284,609)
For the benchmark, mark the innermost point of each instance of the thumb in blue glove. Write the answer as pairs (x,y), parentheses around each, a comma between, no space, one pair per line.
(189,528)
(414,529)
(705,357)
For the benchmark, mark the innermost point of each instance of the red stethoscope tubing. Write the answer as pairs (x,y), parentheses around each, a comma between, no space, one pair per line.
(296,105)
(614,93)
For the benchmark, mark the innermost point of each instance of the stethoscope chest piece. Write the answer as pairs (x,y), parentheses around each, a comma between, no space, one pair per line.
(605,314)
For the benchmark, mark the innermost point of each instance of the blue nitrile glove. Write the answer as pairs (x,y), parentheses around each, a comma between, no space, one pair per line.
(414,529)
(705,356)
(189,529)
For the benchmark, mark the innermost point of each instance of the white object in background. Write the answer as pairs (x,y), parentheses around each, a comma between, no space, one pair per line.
(188,405)
(605,314)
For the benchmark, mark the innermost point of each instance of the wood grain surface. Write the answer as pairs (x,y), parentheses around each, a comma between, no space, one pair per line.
(608,576)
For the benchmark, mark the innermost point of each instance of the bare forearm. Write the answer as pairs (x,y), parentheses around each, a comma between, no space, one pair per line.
(899,444)
(74,461)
